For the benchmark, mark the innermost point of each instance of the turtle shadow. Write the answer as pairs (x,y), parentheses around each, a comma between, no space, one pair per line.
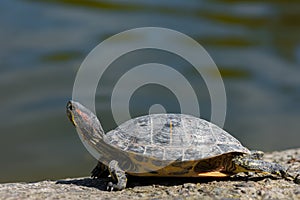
(134,181)
(168,181)
(175,181)
(99,183)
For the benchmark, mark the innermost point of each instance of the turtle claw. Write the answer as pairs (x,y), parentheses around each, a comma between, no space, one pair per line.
(113,187)
(110,186)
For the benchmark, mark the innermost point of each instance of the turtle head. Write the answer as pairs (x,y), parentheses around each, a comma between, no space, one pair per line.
(85,121)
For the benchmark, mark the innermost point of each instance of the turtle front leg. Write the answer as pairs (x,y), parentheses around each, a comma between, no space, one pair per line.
(118,175)
(245,164)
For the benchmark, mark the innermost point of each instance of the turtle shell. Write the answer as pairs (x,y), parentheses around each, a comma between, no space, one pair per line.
(170,137)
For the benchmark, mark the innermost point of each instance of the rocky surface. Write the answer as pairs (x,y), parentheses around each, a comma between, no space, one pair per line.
(242,186)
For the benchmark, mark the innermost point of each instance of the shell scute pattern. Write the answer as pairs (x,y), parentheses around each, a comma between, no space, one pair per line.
(143,130)
(177,131)
(160,133)
(201,152)
(173,154)
(154,151)
(190,127)
(169,130)
(136,148)
(202,134)
(230,148)
(173,137)
(117,138)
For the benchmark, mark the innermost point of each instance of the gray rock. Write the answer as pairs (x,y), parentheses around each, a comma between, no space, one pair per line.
(237,187)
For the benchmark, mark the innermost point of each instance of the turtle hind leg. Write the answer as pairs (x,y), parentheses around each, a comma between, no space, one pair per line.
(118,175)
(100,171)
(246,164)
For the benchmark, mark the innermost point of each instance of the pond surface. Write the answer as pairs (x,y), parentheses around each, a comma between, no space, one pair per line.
(255,45)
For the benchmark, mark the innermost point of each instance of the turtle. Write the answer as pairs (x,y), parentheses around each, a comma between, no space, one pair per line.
(165,145)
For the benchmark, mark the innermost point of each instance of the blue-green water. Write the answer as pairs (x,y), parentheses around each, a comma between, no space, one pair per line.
(256,46)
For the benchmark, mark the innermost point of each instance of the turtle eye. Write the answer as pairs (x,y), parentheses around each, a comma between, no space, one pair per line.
(70,106)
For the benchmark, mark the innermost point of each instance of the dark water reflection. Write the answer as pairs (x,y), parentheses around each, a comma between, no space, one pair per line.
(256,46)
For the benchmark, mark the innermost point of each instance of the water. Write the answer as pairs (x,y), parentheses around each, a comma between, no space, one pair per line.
(255,45)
